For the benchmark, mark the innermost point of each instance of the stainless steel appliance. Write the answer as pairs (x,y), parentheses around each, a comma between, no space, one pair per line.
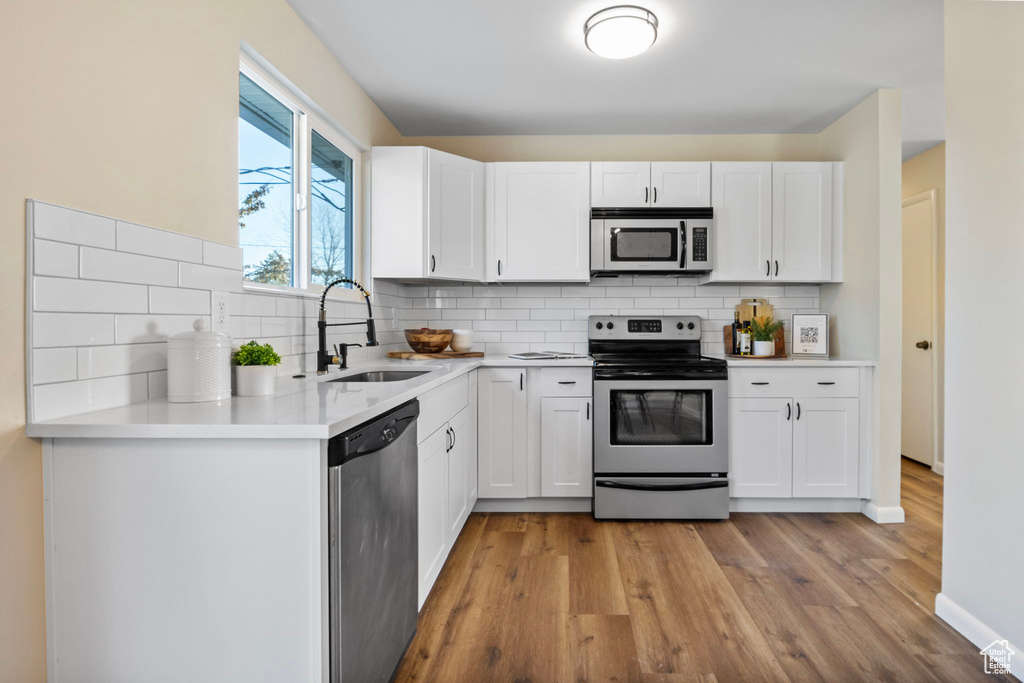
(661,433)
(651,241)
(371,501)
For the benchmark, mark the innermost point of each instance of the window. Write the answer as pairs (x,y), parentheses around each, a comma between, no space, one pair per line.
(297,190)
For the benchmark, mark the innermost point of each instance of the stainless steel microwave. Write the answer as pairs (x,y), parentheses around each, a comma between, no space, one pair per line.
(653,241)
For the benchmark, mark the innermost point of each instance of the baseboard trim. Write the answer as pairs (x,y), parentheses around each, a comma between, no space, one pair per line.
(968,625)
(939,468)
(533,505)
(883,515)
(794,504)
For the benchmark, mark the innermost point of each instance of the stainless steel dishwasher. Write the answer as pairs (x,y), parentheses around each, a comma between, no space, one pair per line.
(371,504)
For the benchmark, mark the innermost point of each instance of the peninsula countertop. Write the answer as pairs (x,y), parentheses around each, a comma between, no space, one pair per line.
(308,408)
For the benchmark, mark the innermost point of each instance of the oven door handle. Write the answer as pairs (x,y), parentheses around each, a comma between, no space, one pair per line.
(666,487)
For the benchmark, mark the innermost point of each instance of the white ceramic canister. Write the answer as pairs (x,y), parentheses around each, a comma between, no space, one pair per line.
(198,365)
(462,340)
(764,348)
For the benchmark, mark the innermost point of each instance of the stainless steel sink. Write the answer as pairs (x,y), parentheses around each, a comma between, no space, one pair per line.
(382,376)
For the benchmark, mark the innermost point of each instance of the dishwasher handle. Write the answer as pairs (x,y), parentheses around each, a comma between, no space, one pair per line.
(372,436)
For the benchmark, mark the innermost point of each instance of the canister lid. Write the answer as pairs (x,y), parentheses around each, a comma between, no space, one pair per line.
(201,336)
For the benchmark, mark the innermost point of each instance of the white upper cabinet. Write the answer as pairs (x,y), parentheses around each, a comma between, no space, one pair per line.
(777,222)
(680,183)
(802,222)
(427,215)
(627,184)
(541,222)
(620,184)
(741,193)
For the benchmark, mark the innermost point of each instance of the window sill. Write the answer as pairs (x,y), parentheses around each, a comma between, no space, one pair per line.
(336,294)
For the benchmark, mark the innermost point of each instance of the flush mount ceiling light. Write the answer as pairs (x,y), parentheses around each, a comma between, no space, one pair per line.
(620,32)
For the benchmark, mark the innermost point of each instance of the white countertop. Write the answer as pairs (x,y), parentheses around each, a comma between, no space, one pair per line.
(792,362)
(309,408)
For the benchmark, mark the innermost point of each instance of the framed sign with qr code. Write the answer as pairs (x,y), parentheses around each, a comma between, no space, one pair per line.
(810,335)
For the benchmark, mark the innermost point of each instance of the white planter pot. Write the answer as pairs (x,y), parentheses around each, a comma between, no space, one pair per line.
(254,380)
(764,348)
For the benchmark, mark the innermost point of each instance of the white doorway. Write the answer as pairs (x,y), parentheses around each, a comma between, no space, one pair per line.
(920,432)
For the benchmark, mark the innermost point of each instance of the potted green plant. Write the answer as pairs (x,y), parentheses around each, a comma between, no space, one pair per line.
(764,328)
(254,369)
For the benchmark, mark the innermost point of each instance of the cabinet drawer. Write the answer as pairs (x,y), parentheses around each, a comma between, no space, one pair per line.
(439,405)
(556,382)
(793,382)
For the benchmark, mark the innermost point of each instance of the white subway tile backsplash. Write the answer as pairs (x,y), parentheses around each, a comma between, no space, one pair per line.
(71,329)
(284,327)
(495,325)
(115,266)
(58,259)
(158,384)
(67,225)
(181,301)
(196,276)
(509,337)
(54,365)
(222,255)
(123,359)
(139,239)
(52,401)
(245,327)
(523,302)
(140,329)
(551,314)
(85,296)
(538,326)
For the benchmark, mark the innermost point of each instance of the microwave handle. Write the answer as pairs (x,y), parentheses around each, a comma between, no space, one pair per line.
(682,245)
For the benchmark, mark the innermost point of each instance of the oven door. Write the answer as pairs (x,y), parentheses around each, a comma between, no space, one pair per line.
(642,245)
(661,426)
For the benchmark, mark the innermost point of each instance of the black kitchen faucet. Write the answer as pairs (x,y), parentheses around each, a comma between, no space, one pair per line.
(323,361)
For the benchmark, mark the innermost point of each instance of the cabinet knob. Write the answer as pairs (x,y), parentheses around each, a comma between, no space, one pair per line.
(923,345)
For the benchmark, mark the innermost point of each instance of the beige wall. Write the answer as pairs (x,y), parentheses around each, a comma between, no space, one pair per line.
(982,553)
(927,171)
(128,109)
(627,147)
(865,309)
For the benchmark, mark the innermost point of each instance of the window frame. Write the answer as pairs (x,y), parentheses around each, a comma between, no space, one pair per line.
(306,120)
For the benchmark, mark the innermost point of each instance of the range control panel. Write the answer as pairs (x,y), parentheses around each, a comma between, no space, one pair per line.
(666,327)
(700,244)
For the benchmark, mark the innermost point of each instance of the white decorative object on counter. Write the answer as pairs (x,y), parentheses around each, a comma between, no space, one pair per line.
(198,365)
(764,348)
(462,341)
(254,380)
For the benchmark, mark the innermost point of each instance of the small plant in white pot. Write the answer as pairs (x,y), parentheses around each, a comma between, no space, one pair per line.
(764,328)
(254,369)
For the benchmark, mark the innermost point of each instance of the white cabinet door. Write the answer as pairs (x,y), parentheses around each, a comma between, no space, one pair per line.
(620,183)
(566,452)
(826,448)
(455,243)
(542,221)
(470,441)
(458,483)
(680,183)
(432,505)
(761,447)
(742,239)
(502,436)
(802,221)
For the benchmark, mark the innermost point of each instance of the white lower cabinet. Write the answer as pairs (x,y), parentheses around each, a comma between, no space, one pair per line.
(502,438)
(447,474)
(566,450)
(761,447)
(826,447)
(796,433)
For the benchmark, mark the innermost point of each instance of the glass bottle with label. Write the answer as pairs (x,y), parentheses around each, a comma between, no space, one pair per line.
(746,346)
(735,339)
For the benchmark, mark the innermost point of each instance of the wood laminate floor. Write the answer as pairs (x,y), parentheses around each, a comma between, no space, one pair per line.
(547,598)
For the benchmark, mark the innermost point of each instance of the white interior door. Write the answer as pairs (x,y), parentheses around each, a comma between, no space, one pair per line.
(919,311)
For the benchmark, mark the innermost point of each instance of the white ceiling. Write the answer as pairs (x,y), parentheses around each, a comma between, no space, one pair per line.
(519,67)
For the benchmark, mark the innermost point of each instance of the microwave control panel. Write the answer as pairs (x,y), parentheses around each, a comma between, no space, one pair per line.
(700,244)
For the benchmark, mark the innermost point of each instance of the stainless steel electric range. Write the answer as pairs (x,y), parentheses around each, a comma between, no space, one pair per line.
(661,433)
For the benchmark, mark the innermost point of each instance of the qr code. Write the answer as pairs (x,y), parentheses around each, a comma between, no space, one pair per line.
(808,335)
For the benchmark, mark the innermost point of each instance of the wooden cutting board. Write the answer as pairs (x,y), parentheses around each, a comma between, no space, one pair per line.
(747,307)
(780,345)
(412,355)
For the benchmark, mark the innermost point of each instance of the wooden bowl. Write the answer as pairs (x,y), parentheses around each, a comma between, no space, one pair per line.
(428,341)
